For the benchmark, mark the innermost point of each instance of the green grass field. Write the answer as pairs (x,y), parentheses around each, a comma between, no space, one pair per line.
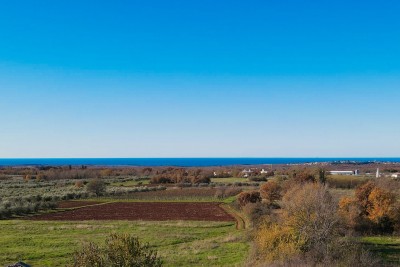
(346,181)
(180,243)
(229,180)
(132,183)
(386,247)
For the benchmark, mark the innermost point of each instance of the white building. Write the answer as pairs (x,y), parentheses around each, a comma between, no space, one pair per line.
(246,172)
(395,175)
(342,172)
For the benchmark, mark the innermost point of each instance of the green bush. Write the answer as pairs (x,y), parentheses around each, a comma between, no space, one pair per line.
(120,250)
(96,186)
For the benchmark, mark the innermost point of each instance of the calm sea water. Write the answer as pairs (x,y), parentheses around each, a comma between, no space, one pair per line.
(183,162)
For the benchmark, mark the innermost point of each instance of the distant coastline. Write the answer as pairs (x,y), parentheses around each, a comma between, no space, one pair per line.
(181,162)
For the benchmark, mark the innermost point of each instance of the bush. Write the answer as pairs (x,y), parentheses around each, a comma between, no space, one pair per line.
(373,209)
(248,197)
(271,192)
(96,186)
(307,232)
(79,184)
(120,250)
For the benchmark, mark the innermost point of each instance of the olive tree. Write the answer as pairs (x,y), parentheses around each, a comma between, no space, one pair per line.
(96,186)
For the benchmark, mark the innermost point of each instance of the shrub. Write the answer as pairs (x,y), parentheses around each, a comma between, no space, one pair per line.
(249,197)
(96,186)
(120,250)
(271,192)
(306,232)
(256,212)
(372,209)
(79,184)
(277,243)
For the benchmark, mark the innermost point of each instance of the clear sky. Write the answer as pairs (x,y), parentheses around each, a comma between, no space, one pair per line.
(199,78)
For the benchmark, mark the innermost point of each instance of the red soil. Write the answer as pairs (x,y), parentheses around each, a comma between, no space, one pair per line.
(147,211)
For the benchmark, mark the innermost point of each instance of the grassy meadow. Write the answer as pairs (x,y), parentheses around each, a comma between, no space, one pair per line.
(386,247)
(180,243)
(229,180)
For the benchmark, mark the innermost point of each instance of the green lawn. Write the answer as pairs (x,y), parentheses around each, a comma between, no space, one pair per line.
(229,180)
(386,247)
(180,243)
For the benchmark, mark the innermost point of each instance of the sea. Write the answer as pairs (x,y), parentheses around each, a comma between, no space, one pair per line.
(181,162)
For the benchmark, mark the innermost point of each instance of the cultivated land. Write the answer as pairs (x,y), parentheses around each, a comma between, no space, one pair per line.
(189,224)
(146,211)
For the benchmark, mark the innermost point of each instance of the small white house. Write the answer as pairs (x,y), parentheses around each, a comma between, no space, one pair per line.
(263,171)
(246,173)
(395,175)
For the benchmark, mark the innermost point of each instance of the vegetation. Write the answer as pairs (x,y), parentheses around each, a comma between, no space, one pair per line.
(19,197)
(346,181)
(299,222)
(373,210)
(245,198)
(96,186)
(179,243)
(229,180)
(120,250)
(181,175)
(307,232)
(299,216)
(271,192)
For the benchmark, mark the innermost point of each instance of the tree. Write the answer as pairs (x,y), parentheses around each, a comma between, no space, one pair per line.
(249,197)
(321,175)
(381,206)
(96,186)
(271,192)
(120,250)
(362,196)
(372,209)
(106,172)
(303,175)
(307,232)
(311,212)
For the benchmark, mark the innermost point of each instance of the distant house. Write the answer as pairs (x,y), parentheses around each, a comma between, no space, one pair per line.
(342,172)
(263,171)
(395,175)
(246,173)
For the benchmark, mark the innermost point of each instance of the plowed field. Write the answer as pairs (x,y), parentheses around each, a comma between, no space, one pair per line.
(150,211)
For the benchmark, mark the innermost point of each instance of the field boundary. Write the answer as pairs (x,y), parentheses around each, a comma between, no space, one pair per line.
(241,223)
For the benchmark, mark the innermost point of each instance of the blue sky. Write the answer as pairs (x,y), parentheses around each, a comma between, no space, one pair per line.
(199,78)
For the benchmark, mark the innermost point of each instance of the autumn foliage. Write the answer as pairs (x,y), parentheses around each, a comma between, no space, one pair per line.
(306,232)
(271,192)
(249,197)
(373,209)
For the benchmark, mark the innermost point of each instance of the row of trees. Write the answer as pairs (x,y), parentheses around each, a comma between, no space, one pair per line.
(181,175)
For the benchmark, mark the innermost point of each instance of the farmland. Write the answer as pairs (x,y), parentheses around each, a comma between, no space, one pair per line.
(147,211)
(190,224)
(187,221)
(180,243)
